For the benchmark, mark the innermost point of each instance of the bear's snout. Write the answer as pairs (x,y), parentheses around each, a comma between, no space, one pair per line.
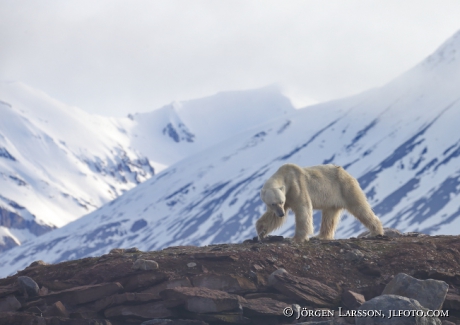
(279,211)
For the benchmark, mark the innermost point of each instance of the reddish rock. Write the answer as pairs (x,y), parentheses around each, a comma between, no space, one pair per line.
(170,284)
(10,318)
(84,313)
(84,294)
(56,309)
(142,280)
(9,303)
(173,322)
(352,300)
(202,300)
(34,310)
(369,269)
(43,291)
(452,302)
(118,299)
(147,311)
(308,290)
(9,290)
(271,295)
(263,307)
(224,318)
(216,256)
(227,283)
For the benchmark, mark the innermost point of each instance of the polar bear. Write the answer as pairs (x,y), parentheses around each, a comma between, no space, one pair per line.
(325,187)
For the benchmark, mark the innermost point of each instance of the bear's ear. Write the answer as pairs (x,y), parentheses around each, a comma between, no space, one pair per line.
(283,188)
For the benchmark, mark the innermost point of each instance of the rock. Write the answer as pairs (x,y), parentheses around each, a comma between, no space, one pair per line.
(174,322)
(308,290)
(227,283)
(446,322)
(452,302)
(224,318)
(354,255)
(429,293)
(56,309)
(117,251)
(144,265)
(216,256)
(43,291)
(13,318)
(38,263)
(132,250)
(322,322)
(84,294)
(263,307)
(202,300)
(34,310)
(396,304)
(372,291)
(29,319)
(352,300)
(257,267)
(369,269)
(271,277)
(449,277)
(142,280)
(9,290)
(9,303)
(415,234)
(84,313)
(146,311)
(274,296)
(191,264)
(28,286)
(170,284)
(121,298)
(389,232)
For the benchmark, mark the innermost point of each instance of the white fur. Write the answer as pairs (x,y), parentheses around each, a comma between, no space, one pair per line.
(325,187)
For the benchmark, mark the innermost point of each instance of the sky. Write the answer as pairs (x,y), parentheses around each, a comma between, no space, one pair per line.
(113,57)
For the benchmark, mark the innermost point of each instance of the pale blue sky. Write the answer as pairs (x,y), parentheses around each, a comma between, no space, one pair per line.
(117,57)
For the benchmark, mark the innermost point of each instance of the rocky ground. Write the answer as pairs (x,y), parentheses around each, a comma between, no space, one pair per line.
(229,283)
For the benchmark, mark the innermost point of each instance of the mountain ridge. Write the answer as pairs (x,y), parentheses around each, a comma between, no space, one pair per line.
(397,140)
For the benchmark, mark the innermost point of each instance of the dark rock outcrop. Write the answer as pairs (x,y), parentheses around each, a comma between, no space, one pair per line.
(252,283)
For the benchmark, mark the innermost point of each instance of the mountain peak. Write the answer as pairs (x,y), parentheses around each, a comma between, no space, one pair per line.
(447,54)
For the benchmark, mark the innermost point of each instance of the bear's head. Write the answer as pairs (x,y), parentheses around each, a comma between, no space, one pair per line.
(274,198)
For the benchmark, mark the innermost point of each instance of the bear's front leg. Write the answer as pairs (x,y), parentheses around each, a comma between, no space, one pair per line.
(303,223)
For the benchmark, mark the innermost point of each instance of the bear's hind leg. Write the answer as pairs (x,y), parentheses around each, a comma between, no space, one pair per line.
(365,215)
(329,220)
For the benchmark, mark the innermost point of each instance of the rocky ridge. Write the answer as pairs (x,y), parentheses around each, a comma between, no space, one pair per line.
(326,282)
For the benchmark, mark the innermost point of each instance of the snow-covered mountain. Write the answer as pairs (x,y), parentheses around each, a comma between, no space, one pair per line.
(401,142)
(58,162)
(178,130)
